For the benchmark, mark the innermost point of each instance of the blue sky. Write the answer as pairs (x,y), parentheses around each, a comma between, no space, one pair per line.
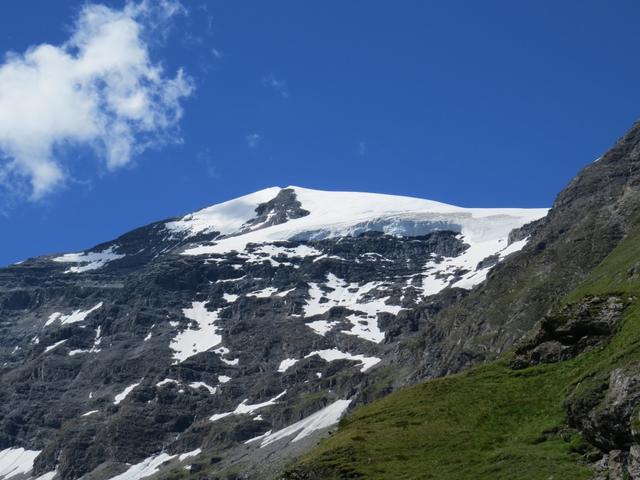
(493,103)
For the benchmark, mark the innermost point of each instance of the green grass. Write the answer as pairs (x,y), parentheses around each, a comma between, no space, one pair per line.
(490,422)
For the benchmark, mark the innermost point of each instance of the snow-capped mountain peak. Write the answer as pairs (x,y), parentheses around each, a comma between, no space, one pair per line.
(337,214)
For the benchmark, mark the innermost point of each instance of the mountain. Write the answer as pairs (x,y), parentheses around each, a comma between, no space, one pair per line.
(557,326)
(433,341)
(226,342)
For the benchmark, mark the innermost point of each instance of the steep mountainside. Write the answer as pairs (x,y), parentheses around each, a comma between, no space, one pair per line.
(588,219)
(565,402)
(227,341)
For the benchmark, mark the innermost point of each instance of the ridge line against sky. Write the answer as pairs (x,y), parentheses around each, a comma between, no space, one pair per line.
(115,114)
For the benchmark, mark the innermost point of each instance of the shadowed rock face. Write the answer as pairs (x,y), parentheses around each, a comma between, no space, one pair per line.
(572,330)
(285,206)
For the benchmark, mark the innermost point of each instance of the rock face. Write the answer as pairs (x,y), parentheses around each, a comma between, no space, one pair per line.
(605,410)
(588,219)
(228,340)
(572,330)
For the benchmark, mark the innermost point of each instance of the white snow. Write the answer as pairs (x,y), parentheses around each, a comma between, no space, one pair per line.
(259,437)
(225,218)
(327,257)
(246,409)
(224,351)
(335,354)
(269,292)
(229,298)
(16,461)
(284,293)
(88,260)
(439,275)
(218,416)
(197,385)
(74,317)
(264,293)
(353,296)
(336,214)
(328,416)
(150,334)
(122,395)
(223,378)
(277,255)
(190,454)
(321,327)
(89,413)
(286,364)
(200,338)
(47,476)
(330,355)
(167,381)
(55,345)
(144,469)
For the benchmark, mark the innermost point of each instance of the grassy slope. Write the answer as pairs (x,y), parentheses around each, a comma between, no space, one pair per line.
(490,422)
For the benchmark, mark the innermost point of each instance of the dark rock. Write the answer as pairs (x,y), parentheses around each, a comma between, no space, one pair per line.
(571,331)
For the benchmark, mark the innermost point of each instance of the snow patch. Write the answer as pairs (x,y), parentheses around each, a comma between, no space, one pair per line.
(264,293)
(74,317)
(122,395)
(338,293)
(321,327)
(150,334)
(286,364)
(246,409)
(193,453)
(16,461)
(440,275)
(144,469)
(328,416)
(331,355)
(88,260)
(224,218)
(209,388)
(47,476)
(167,381)
(200,338)
(55,345)
(229,298)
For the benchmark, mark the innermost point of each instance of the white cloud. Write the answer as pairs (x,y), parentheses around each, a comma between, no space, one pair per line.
(99,89)
(280,86)
(253,140)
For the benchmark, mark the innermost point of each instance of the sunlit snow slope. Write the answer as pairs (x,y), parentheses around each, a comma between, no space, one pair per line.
(340,214)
